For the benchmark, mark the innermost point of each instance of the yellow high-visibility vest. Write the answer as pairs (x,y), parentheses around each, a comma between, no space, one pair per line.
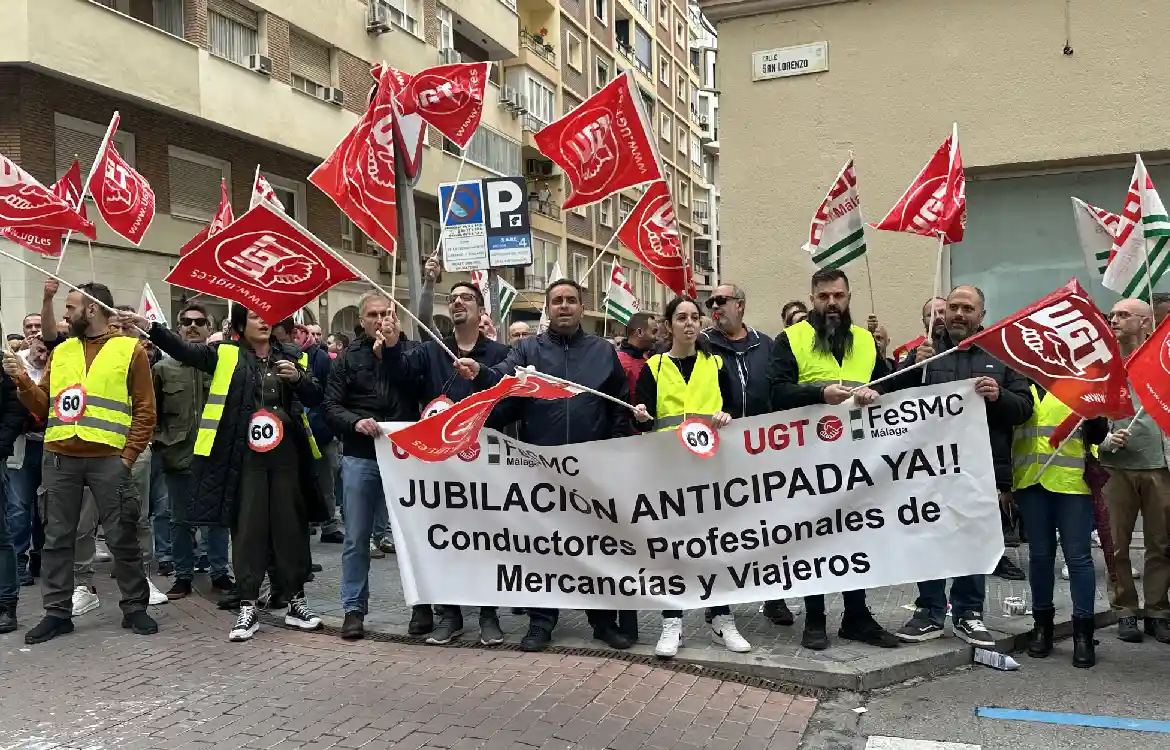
(821,368)
(221,380)
(679,399)
(108,410)
(1031,450)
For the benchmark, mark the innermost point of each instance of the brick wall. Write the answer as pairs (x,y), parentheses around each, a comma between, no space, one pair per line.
(572,79)
(569,102)
(278,46)
(354,80)
(10,113)
(579,226)
(195,22)
(601,32)
(430,10)
(576,9)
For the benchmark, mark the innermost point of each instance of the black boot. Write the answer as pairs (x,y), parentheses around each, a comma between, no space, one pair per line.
(7,617)
(1040,644)
(422,620)
(1084,646)
(628,624)
(777,611)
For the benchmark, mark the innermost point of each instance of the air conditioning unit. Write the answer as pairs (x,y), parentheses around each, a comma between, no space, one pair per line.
(506,94)
(449,56)
(260,64)
(377,19)
(538,168)
(520,102)
(333,95)
(386,263)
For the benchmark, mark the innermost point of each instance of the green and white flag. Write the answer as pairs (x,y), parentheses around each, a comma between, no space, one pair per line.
(542,326)
(507,295)
(837,234)
(620,302)
(1141,240)
(479,277)
(1095,228)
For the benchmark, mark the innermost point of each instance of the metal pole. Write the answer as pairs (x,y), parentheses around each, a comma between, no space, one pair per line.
(408,232)
(493,287)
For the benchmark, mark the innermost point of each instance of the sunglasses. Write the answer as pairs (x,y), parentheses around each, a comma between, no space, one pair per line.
(200,322)
(720,300)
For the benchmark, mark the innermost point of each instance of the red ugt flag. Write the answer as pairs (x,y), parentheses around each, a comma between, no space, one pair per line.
(604,145)
(26,203)
(219,222)
(651,233)
(123,197)
(410,131)
(359,174)
(456,429)
(46,241)
(1149,371)
(449,97)
(265,261)
(935,204)
(1063,343)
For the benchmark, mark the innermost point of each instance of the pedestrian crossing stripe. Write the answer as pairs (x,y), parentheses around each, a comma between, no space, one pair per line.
(898,743)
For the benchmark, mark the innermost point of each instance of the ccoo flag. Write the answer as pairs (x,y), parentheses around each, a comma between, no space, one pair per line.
(1139,256)
(620,302)
(837,234)
(1095,229)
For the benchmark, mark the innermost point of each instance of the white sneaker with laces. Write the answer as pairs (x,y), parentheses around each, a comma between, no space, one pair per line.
(671,637)
(723,631)
(246,624)
(1064,573)
(300,616)
(101,553)
(156,597)
(85,599)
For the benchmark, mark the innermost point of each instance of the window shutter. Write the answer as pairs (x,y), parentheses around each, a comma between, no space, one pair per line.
(75,144)
(236,12)
(194,188)
(309,59)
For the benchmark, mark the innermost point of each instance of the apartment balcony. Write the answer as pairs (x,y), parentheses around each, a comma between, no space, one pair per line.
(493,25)
(538,52)
(626,52)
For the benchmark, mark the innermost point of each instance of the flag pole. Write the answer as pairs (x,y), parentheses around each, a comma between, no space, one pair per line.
(530,370)
(85,187)
(600,255)
(872,296)
(1137,414)
(1055,452)
(914,366)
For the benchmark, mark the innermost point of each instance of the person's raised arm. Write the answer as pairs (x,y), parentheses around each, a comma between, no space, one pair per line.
(48,322)
(200,356)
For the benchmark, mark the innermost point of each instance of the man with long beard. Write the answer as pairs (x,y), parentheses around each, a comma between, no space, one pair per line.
(821,360)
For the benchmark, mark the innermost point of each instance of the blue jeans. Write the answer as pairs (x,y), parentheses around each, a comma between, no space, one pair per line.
(183,536)
(21,493)
(160,508)
(967,595)
(365,502)
(1043,513)
(9,585)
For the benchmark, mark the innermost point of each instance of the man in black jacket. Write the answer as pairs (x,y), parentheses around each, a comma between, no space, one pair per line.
(320,364)
(745,349)
(427,372)
(12,419)
(1009,403)
(566,351)
(357,398)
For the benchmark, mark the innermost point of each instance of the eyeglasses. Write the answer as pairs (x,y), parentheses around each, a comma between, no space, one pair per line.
(1120,315)
(197,322)
(719,300)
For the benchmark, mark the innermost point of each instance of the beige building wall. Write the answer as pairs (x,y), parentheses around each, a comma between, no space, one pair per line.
(901,71)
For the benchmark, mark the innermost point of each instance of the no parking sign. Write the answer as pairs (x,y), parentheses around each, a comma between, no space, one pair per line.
(486,224)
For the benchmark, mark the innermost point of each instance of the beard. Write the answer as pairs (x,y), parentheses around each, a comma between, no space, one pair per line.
(78,326)
(832,336)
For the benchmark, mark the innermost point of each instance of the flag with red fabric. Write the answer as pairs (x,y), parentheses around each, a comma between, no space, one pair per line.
(123,196)
(42,240)
(1063,343)
(604,145)
(535,385)
(264,261)
(223,217)
(449,97)
(1149,371)
(26,204)
(410,131)
(909,346)
(651,233)
(935,204)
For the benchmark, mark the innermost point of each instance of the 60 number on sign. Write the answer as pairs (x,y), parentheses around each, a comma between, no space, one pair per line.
(698,437)
(265,431)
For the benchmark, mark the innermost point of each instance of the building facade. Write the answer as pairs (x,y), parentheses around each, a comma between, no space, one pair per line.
(1043,115)
(211,89)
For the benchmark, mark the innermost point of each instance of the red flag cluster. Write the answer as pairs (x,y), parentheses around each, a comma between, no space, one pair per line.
(42,239)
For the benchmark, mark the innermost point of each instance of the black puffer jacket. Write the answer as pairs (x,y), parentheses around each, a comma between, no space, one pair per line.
(1012,408)
(581,358)
(357,390)
(215,479)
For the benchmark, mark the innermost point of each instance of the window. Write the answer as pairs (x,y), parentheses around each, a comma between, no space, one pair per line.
(580,266)
(82,139)
(625,208)
(195,183)
(664,68)
(402,13)
(680,32)
(544,257)
(696,152)
(644,50)
(168,16)
(605,213)
(428,237)
(350,237)
(664,126)
(291,195)
(680,86)
(573,51)
(601,10)
(684,194)
(309,63)
(491,150)
(446,28)
(232,30)
(647,286)
(601,72)
(542,100)
(664,13)
(643,7)
(682,140)
(668,178)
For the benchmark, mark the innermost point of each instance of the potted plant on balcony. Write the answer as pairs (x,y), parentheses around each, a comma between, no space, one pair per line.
(538,37)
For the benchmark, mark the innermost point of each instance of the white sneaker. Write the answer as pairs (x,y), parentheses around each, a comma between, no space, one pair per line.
(671,637)
(85,599)
(723,631)
(1096,539)
(1136,574)
(156,597)
(1064,573)
(299,615)
(101,553)
(246,624)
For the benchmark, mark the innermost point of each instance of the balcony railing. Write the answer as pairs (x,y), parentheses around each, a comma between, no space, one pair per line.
(628,52)
(545,208)
(701,216)
(533,124)
(540,46)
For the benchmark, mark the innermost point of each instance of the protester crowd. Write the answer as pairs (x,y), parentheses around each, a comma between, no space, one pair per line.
(203,451)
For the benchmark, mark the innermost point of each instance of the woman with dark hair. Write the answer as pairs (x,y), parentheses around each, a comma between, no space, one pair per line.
(253,459)
(684,382)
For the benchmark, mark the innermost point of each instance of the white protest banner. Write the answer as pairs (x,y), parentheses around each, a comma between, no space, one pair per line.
(800,502)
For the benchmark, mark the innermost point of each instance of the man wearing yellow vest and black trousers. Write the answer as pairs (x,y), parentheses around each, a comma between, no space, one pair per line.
(98,398)
(253,464)
(687,381)
(820,360)
(1057,500)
